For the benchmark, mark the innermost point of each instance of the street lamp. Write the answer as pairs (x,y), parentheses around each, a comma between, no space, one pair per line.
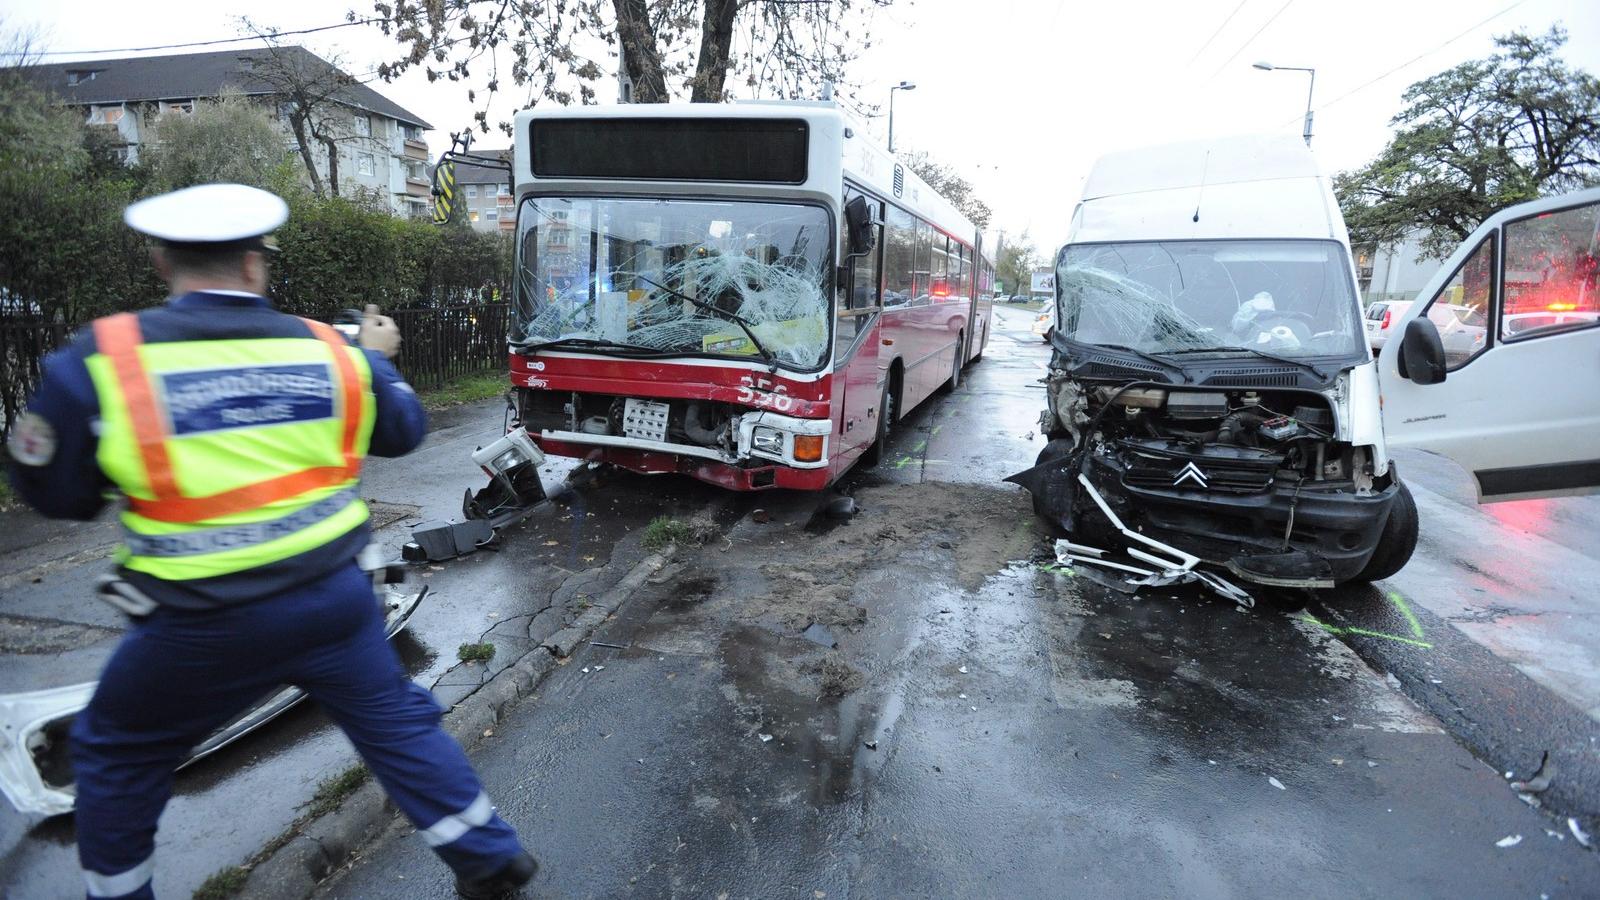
(1269,67)
(902,86)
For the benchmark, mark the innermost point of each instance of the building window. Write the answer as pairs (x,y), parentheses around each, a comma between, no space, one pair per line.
(505,190)
(472,215)
(178,106)
(412,132)
(106,115)
(79,76)
(414,171)
(491,214)
(364,125)
(364,163)
(472,191)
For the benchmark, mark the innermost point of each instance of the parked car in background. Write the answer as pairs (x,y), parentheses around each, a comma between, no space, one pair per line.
(1461,328)
(1524,324)
(1045,323)
(1379,321)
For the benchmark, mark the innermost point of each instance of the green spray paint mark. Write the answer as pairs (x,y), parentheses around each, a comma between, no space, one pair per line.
(1341,630)
(1411,619)
(901,462)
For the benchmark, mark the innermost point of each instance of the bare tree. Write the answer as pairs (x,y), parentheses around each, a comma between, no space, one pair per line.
(949,184)
(314,97)
(666,48)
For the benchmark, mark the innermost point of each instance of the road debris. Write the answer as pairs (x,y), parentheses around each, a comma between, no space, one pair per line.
(1578,833)
(1540,782)
(819,634)
(1510,840)
(962,670)
(764,737)
(870,745)
(1276,783)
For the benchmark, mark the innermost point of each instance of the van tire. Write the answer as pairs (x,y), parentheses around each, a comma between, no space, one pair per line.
(1398,541)
(1057,449)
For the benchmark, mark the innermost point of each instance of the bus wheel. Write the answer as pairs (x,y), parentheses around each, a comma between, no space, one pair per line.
(874,453)
(955,370)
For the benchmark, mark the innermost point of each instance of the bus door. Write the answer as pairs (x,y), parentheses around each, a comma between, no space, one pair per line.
(856,389)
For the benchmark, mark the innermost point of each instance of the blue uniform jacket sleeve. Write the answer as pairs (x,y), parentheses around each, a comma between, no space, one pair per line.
(68,484)
(400,424)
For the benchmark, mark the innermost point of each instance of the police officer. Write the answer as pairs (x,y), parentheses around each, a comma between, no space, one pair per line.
(235,434)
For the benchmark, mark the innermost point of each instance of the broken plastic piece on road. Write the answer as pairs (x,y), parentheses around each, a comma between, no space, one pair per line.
(1540,782)
(760,516)
(764,737)
(1510,840)
(598,668)
(818,633)
(584,670)
(1276,783)
(962,670)
(870,745)
(1578,832)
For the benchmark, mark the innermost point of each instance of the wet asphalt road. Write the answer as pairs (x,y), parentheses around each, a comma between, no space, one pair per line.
(229,805)
(1094,744)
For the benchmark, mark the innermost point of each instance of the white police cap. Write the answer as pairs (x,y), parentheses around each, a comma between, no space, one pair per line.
(208,214)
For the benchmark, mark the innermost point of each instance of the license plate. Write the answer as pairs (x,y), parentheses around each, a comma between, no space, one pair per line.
(645,419)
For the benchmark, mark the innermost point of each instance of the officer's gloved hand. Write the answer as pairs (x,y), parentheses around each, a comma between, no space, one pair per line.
(378,332)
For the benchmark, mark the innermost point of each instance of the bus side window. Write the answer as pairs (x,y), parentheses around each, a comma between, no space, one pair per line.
(899,258)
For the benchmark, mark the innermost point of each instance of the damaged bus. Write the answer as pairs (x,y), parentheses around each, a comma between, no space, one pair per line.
(1212,399)
(750,294)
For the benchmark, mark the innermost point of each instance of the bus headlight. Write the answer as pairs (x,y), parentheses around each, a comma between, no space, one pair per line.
(767,440)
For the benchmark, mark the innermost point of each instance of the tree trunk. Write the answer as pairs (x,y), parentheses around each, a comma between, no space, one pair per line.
(640,58)
(297,124)
(333,166)
(716,39)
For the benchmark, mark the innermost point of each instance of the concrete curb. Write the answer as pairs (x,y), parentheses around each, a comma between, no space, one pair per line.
(293,870)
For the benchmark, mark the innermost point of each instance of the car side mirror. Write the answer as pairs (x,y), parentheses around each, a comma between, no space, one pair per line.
(859,220)
(1422,352)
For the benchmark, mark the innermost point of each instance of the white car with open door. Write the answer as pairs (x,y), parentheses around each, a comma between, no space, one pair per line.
(1521,412)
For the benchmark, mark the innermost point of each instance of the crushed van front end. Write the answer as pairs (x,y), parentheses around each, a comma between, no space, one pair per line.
(1263,482)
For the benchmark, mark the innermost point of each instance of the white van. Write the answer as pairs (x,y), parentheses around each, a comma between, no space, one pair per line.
(1212,394)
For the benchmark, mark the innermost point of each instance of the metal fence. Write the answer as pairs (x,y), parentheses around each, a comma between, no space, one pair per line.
(439,344)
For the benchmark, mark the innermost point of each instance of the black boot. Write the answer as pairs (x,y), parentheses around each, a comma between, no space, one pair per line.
(514,874)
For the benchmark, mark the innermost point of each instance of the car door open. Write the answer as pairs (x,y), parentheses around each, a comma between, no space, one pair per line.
(1497,365)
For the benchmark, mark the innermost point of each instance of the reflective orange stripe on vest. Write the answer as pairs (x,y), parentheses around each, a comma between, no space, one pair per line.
(118,338)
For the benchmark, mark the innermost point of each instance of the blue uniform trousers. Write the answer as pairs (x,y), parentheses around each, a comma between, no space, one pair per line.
(180,674)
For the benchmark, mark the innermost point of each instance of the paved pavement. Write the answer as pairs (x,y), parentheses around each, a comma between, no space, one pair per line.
(989,727)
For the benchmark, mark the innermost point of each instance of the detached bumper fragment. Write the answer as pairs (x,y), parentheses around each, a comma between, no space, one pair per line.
(34,773)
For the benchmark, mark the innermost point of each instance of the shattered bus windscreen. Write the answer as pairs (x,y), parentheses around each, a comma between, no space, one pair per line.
(675,276)
(1289,298)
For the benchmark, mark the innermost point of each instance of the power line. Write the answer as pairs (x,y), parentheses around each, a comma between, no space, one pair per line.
(254,37)
(1252,38)
(1417,58)
(1215,33)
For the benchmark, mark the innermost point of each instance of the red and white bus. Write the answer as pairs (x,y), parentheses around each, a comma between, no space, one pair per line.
(749,294)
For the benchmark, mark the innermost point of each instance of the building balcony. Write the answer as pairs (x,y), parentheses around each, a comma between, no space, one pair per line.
(415,149)
(416,187)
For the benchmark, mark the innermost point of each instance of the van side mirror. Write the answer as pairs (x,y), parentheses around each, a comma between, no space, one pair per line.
(1422,352)
(859,219)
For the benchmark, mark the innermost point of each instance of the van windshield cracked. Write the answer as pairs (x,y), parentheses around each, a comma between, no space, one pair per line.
(1289,299)
(692,277)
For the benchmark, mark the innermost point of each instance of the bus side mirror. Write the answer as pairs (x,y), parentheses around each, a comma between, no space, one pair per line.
(859,220)
(1422,352)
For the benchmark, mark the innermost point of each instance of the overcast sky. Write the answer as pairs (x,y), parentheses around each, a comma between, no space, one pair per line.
(1020,95)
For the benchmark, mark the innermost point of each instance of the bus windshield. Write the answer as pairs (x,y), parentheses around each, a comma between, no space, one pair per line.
(1290,298)
(696,277)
